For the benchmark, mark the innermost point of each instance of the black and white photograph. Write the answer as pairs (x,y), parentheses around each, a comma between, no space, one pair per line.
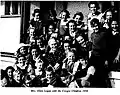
(60,44)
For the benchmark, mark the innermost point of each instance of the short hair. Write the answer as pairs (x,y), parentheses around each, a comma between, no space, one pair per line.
(52,13)
(34,47)
(94,21)
(71,21)
(80,14)
(9,67)
(36,11)
(50,69)
(51,39)
(67,13)
(94,2)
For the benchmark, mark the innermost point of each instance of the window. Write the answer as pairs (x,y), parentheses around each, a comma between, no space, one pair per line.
(12,8)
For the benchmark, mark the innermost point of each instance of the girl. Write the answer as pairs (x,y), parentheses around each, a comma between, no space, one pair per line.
(61,27)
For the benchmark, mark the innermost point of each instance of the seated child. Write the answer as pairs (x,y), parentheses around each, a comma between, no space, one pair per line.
(20,63)
(51,79)
(18,78)
(84,73)
(8,80)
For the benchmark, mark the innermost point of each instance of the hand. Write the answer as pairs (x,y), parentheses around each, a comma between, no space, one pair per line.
(116,60)
(56,66)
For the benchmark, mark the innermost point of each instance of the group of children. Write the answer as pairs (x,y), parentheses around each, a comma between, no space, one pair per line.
(67,52)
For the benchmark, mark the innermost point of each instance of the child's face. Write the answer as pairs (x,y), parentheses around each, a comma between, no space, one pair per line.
(72,29)
(37,16)
(77,19)
(109,15)
(54,35)
(64,15)
(114,25)
(21,62)
(53,45)
(10,73)
(82,61)
(71,57)
(39,43)
(80,39)
(30,70)
(50,29)
(93,8)
(32,32)
(23,50)
(34,52)
(17,77)
(95,28)
(66,46)
(49,75)
(40,65)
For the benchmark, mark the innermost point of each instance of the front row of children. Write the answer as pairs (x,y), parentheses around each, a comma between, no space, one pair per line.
(73,73)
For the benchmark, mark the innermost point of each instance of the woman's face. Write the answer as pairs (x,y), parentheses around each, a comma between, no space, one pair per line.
(82,61)
(71,56)
(50,29)
(10,73)
(34,52)
(114,25)
(53,45)
(77,19)
(72,29)
(37,16)
(21,62)
(93,8)
(66,46)
(23,50)
(49,75)
(80,40)
(64,15)
(109,15)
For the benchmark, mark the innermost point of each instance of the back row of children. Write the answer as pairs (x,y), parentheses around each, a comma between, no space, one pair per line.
(66,52)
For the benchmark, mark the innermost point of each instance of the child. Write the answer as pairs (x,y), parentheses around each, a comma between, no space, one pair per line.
(8,80)
(64,15)
(93,7)
(85,73)
(51,80)
(18,78)
(21,63)
(37,23)
(78,17)
(32,36)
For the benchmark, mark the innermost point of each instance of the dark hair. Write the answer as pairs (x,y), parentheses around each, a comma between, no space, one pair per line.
(67,13)
(36,11)
(94,21)
(50,69)
(9,67)
(71,21)
(35,47)
(52,13)
(94,2)
(80,14)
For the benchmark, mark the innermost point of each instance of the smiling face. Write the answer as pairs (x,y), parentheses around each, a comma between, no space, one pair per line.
(71,57)
(53,44)
(49,75)
(37,16)
(114,25)
(21,62)
(64,15)
(34,53)
(23,50)
(93,8)
(72,29)
(77,19)
(109,15)
(10,73)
